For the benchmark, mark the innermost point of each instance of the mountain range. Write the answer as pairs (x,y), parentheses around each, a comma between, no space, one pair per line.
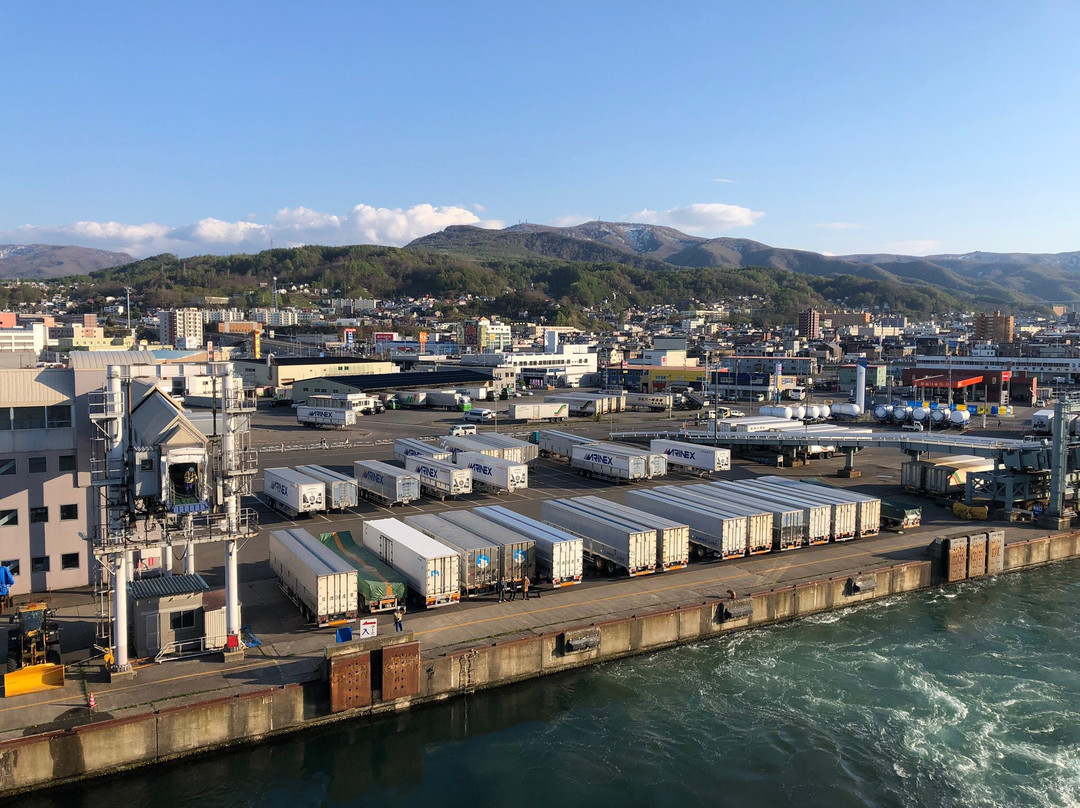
(1010,279)
(35,261)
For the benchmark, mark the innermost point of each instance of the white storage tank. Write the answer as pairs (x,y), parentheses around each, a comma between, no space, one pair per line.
(960,418)
(846,410)
(813,412)
(798,413)
(826,410)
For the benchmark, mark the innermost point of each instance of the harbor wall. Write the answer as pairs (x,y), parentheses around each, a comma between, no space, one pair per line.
(108,746)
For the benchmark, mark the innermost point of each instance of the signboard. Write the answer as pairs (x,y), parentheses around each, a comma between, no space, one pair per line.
(350,337)
(369,627)
(385,336)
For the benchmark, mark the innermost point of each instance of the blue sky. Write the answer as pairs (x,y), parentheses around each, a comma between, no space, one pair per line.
(839,127)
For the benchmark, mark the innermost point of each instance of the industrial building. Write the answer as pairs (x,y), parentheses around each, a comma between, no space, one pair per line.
(274,371)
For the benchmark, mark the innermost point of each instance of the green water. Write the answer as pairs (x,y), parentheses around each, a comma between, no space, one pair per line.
(968,696)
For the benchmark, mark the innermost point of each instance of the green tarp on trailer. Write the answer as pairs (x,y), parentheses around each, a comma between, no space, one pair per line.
(379,586)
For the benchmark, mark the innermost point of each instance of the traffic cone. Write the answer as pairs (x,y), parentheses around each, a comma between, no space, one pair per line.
(91,701)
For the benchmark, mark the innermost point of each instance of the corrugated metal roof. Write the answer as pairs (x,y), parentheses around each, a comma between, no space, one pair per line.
(166,585)
(32,387)
(87,360)
(401,381)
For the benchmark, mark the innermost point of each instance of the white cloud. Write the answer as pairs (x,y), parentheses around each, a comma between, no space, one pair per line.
(570,220)
(700,218)
(913,247)
(363,224)
(838,226)
(721,179)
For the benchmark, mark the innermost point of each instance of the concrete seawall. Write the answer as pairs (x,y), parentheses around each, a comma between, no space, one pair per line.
(393,675)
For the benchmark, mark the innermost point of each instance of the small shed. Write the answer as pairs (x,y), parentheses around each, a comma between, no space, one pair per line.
(176,615)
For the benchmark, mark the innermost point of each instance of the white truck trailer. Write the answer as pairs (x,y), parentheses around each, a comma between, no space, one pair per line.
(654,402)
(468,443)
(493,473)
(386,484)
(759,520)
(611,542)
(429,567)
(1042,421)
(714,532)
(553,411)
(609,462)
(559,555)
(817,519)
(867,508)
(553,443)
(341,490)
(672,536)
(336,417)
(517,553)
(321,583)
(519,451)
(405,447)
(692,456)
(293,493)
(843,515)
(479,567)
(448,400)
(787,522)
(439,478)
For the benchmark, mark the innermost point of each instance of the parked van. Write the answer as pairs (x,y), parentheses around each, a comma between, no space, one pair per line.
(480,415)
(461,430)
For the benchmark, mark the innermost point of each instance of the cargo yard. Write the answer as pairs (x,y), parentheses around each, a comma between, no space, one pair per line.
(668,541)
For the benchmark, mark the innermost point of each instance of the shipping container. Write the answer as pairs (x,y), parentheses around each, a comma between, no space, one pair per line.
(429,567)
(817,519)
(479,567)
(716,532)
(553,443)
(388,485)
(405,447)
(293,493)
(341,490)
(380,588)
(559,555)
(610,462)
(492,473)
(317,580)
(760,533)
(693,456)
(611,542)
(439,478)
(672,536)
(1042,421)
(553,411)
(517,553)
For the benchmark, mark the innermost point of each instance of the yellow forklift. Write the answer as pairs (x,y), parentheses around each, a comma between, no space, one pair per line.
(33,658)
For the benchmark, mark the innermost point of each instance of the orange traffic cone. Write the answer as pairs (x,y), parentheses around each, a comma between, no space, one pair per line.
(91,701)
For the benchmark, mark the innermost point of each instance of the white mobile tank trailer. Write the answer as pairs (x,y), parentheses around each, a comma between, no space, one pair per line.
(338,418)
(463,444)
(901,414)
(883,413)
(439,478)
(529,451)
(751,424)
(867,508)
(552,411)
(429,567)
(817,519)
(608,462)
(672,536)
(789,529)
(552,442)
(719,533)
(709,459)
(759,521)
(611,542)
(846,412)
(293,493)
(479,567)
(341,490)
(386,484)
(559,555)
(517,553)
(960,419)
(318,580)
(406,447)
(786,413)
(845,518)
(493,473)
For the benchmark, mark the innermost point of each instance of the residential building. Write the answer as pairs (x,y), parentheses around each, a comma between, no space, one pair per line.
(996,327)
(810,324)
(181,328)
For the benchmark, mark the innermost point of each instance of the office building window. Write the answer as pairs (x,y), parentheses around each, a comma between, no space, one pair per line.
(9,517)
(181,620)
(39,564)
(39,515)
(69,512)
(38,465)
(67,462)
(12,565)
(59,416)
(69,561)
(28,418)
(7,466)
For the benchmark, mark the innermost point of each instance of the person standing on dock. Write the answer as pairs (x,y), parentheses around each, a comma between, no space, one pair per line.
(525,584)
(502,589)
(399,617)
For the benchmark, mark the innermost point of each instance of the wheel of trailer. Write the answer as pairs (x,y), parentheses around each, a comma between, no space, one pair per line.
(52,656)
(12,664)
(609,567)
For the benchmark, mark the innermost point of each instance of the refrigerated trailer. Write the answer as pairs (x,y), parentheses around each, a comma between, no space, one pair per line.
(517,553)
(788,529)
(462,443)
(559,555)
(716,532)
(385,484)
(843,516)
(479,566)
(429,567)
(609,462)
(519,451)
(672,536)
(293,493)
(439,478)
(759,521)
(693,456)
(608,540)
(867,508)
(553,411)
(317,580)
(817,519)
(493,473)
(553,443)
(341,490)
(406,447)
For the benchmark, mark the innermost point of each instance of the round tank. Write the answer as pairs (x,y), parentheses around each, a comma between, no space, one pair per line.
(882,412)
(901,414)
(776,412)
(920,414)
(813,411)
(960,417)
(826,410)
(798,413)
(938,416)
(848,410)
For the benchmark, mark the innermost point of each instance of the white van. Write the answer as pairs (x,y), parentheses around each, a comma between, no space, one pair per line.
(461,430)
(480,415)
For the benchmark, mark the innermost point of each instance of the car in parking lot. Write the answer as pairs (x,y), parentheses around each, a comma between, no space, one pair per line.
(460,430)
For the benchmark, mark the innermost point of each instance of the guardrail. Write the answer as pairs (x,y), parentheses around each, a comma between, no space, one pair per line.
(348,443)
